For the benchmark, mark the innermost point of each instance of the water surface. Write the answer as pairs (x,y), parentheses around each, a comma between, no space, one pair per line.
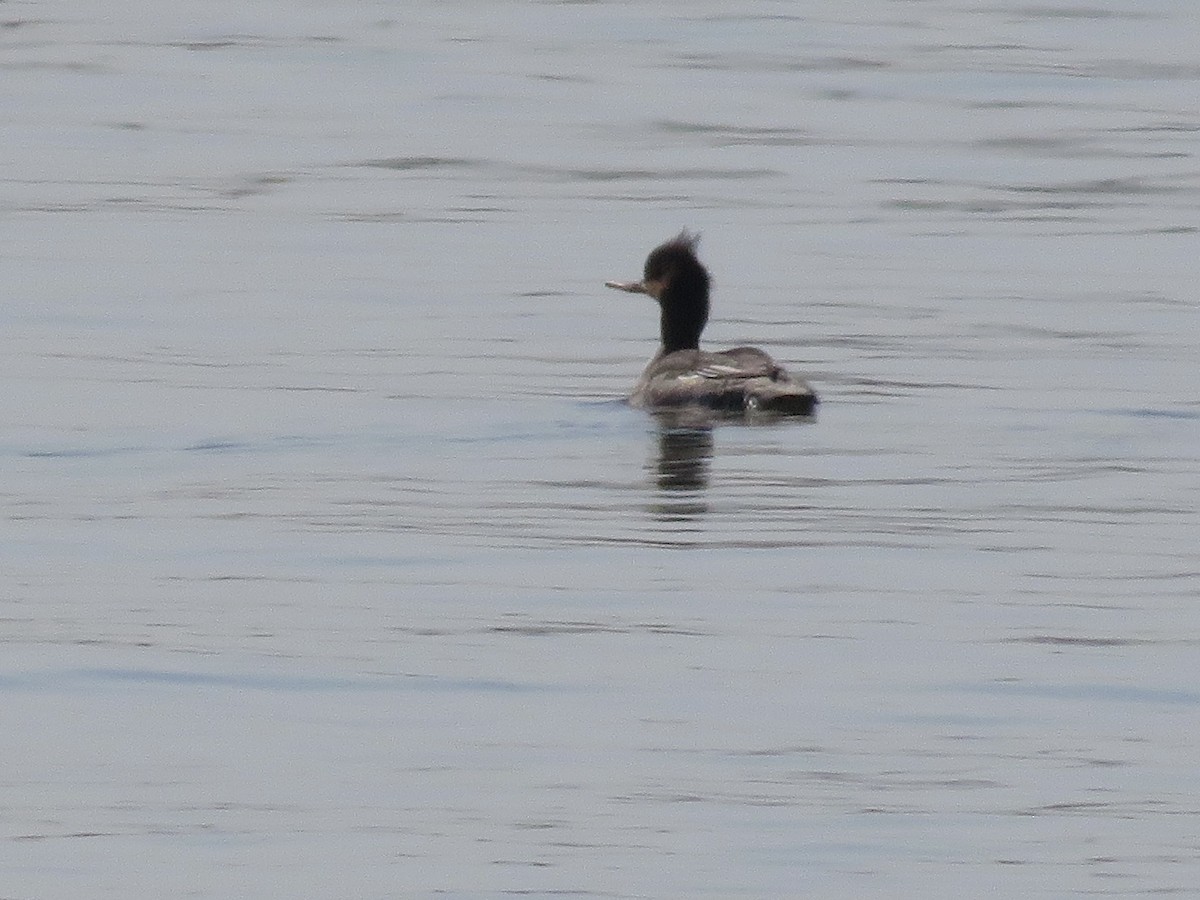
(333,564)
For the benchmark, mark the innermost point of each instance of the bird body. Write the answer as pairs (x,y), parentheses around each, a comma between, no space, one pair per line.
(741,380)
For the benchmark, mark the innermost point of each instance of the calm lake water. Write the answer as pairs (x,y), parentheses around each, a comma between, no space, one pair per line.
(334,566)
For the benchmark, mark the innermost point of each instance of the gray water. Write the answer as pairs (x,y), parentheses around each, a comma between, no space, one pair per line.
(333,565)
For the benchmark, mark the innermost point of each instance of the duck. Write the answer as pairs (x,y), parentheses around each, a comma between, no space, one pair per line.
(742,380)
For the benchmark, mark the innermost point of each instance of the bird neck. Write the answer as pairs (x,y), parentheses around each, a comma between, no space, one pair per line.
(684,311)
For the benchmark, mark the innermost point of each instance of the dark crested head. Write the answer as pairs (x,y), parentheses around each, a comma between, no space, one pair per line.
(672,257)
(679,282)
(681,287)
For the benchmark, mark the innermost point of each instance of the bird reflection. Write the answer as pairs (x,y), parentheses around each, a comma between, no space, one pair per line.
(681,470)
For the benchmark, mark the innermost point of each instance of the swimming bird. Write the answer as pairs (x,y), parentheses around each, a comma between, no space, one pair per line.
(744,379)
